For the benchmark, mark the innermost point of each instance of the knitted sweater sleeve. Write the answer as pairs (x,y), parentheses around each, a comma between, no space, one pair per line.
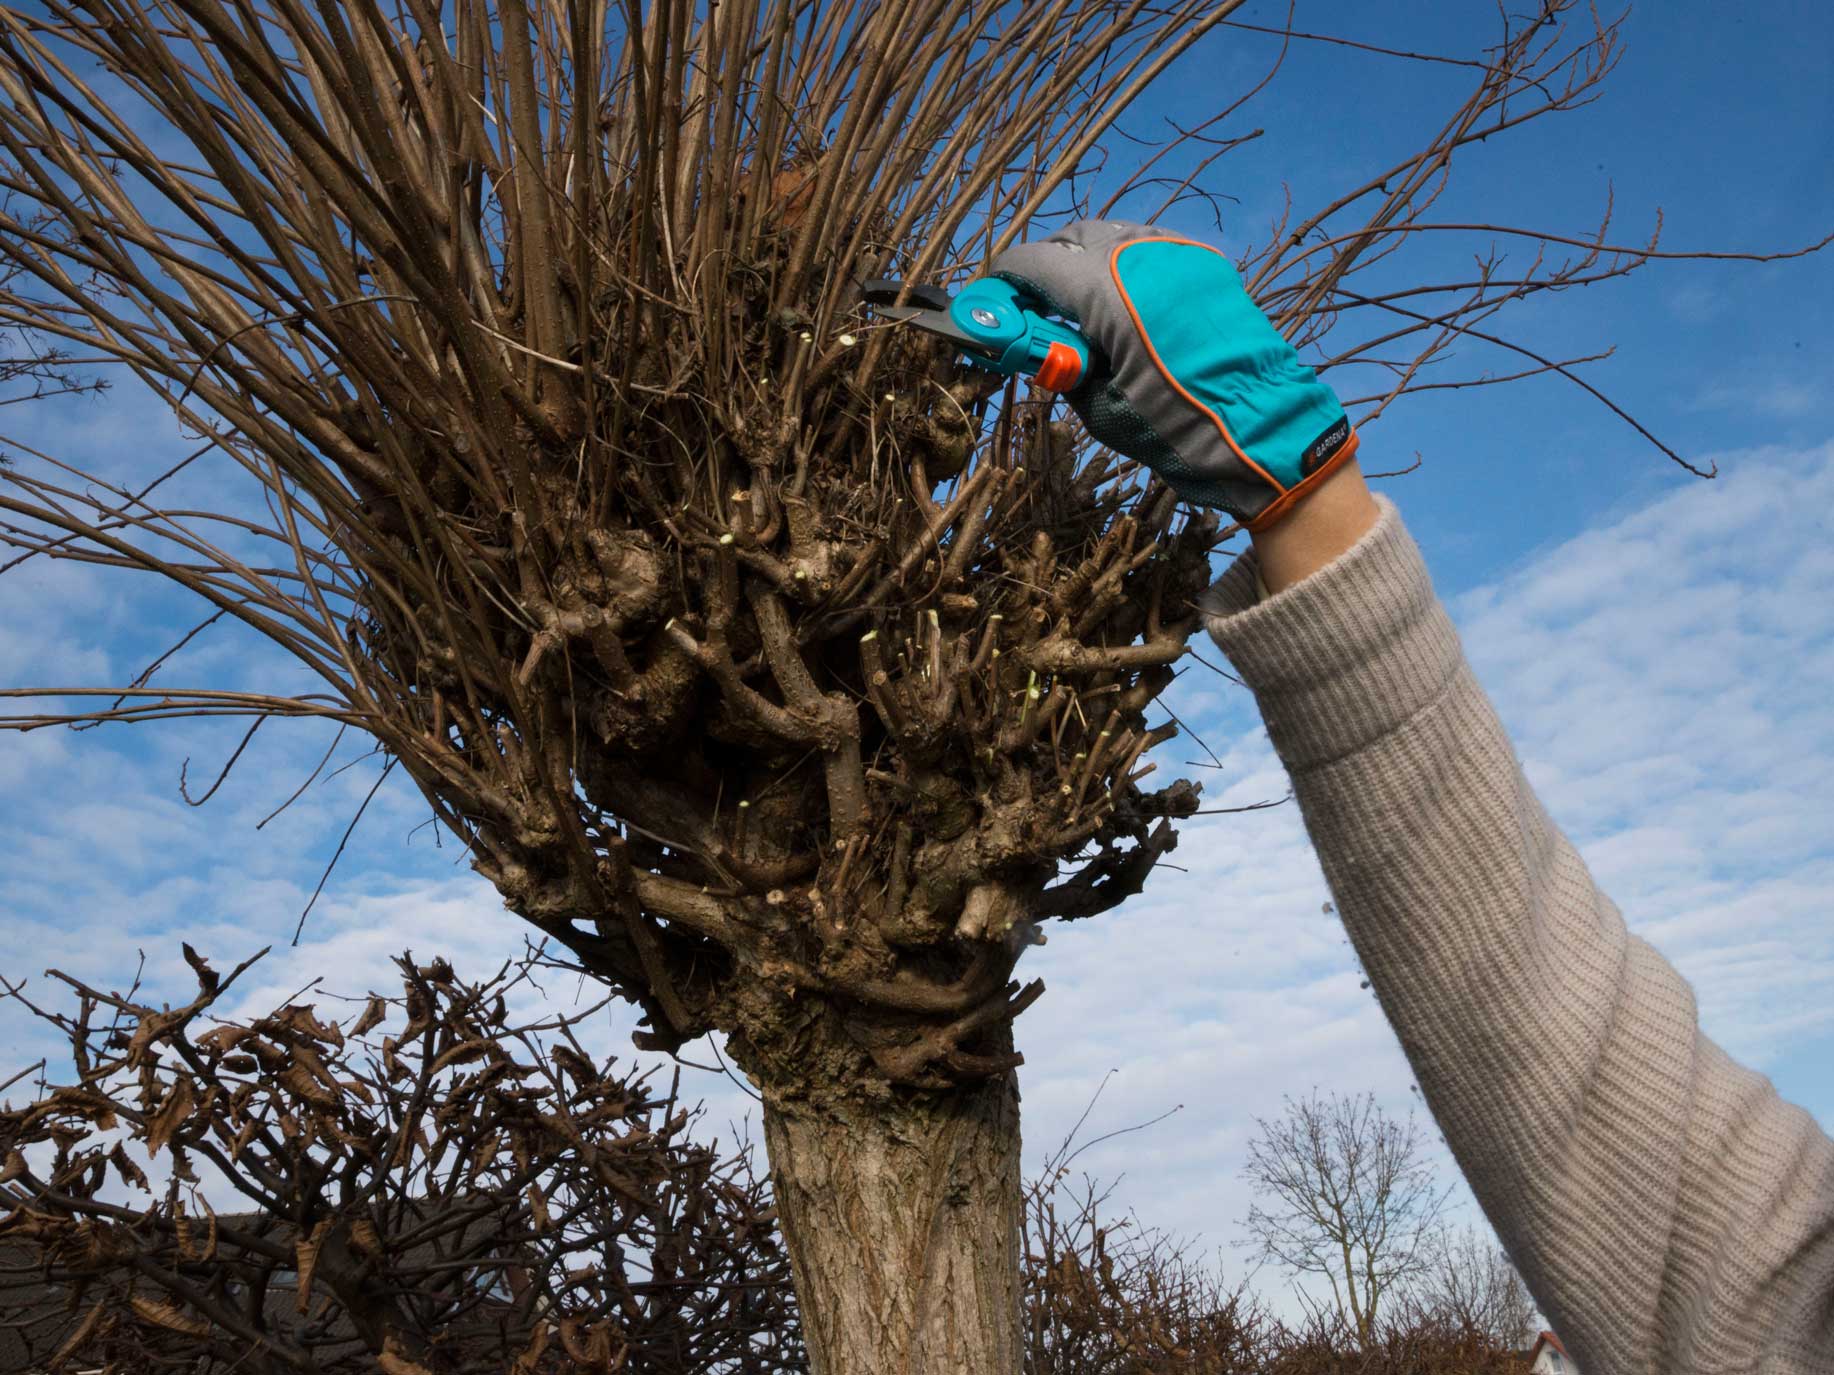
(1668,1210)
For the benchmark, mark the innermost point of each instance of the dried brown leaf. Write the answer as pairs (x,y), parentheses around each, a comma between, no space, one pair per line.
(299,1082)
(462,1054)
(315,1065)
(394,1363)
(271,1056)
(153,1026)
(221,1039)
(169,1316)
(571,1336)
(210,1240)
(532,1353)
(485,1154)
(404,1150)
(372,1017)
(171,1114)
(243,1137)
(365,1237)
(300,1017)
(25,1225)
(70,1100)
(208,980)
(131,1174)
(76,1340)
(306,1251)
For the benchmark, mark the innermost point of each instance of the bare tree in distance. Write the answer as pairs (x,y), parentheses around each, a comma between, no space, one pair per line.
(1471,1280)
(785,673)
(1344,1194)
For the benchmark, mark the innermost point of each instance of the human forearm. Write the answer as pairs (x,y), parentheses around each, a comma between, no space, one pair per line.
(1320,528)
(1670,1210)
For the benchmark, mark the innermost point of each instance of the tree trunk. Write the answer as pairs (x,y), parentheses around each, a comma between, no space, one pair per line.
(902,1220)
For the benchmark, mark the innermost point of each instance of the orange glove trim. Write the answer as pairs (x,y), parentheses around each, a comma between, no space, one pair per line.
(1286,501)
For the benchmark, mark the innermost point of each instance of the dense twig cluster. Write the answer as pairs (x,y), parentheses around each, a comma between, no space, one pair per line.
(1108,1297)
(31,367)
(1105,1296)
(1409,1341)
(433,1184)
(1472,1283)
(760,655)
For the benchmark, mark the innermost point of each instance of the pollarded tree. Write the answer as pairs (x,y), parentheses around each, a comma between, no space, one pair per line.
(781,670)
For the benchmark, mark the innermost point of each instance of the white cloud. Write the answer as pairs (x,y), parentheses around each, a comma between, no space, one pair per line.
(38,599)
(1666,682)
(1664,679)
(1769,396)
(1695,302)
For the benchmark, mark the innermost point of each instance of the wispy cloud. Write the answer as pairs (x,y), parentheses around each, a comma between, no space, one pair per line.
(1665,681)
(1696,302)
(1788,393)
(1663,677)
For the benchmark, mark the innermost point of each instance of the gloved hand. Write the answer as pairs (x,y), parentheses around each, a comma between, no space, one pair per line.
(1185,372)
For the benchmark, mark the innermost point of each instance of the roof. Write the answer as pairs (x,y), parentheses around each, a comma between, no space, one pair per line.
(37,1314)
(33,1314)
(1547,1339)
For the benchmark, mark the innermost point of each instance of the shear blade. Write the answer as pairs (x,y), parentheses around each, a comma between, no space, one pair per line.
(928,313)
(883,291)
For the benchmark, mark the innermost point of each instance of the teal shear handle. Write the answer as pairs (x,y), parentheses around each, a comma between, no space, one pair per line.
(1014,339)
(995,324)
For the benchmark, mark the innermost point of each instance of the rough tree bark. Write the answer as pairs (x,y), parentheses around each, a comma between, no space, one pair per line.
(930,1183)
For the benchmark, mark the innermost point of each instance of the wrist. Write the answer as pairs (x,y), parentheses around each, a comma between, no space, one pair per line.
(1325,523)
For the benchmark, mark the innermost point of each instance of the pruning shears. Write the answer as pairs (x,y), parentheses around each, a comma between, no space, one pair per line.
(995,324)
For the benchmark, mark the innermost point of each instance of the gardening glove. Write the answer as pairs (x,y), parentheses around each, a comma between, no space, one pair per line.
(1185,372)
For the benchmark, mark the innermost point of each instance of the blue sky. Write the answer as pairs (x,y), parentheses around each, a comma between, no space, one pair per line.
(1660,647)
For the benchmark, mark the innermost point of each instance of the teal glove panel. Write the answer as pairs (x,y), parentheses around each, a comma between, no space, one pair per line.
(1186,374)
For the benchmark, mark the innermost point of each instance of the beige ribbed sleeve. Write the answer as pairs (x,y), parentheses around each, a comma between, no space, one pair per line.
(1669,1211)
